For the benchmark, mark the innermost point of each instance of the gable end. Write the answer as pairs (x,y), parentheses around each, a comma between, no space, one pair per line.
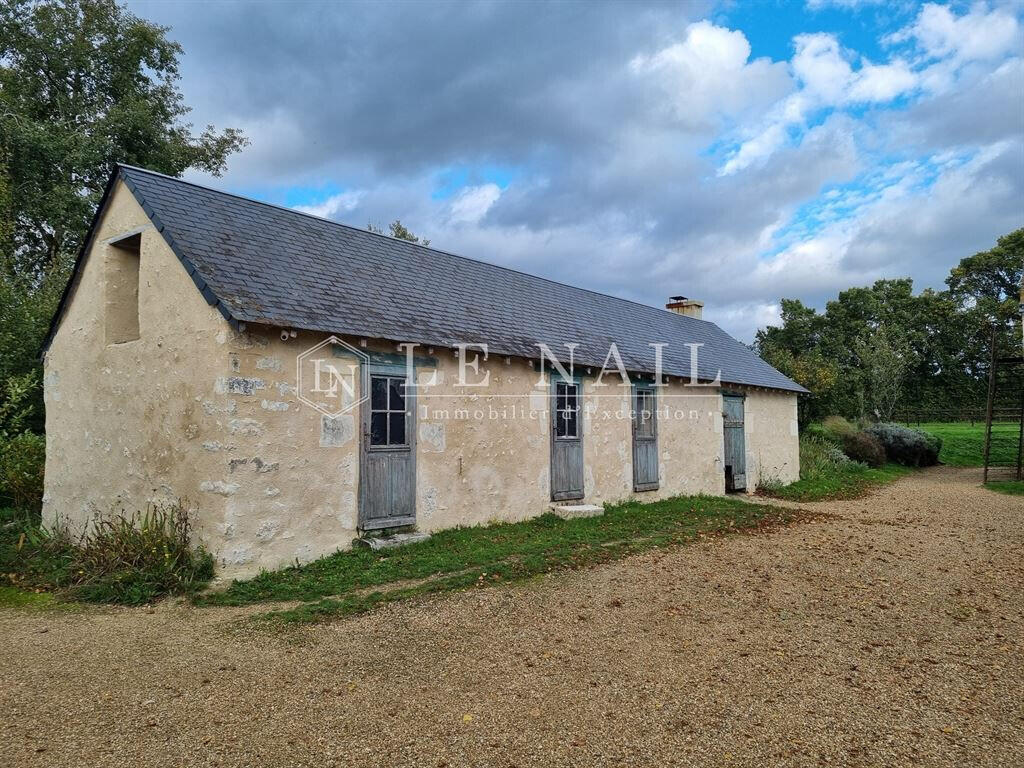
(89,241)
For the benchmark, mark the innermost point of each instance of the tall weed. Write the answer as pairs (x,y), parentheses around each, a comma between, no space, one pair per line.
(123,557)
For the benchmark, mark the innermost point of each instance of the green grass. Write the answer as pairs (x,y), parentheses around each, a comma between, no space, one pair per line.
(21,563)
(1009,487)
(355,581)
(124,558)
(20,599)
(845,482)
(963,444)
(825,474)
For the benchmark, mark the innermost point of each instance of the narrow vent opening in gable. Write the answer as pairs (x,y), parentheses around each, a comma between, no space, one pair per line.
(122,289)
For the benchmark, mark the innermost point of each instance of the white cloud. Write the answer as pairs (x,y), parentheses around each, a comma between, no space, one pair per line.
(980,34)
(904,226)
(756,149)
(882,82)
(825,79)
(821,68)
(472,203)
(708,74)
(333,206)
(615,134)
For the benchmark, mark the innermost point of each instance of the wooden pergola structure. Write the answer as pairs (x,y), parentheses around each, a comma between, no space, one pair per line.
(1005,391)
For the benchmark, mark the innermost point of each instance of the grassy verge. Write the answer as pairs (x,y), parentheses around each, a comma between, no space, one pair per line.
(122,558)
(963,444)
(826,474)
(1009,487)
(845,482)
(25,600)
(354,582)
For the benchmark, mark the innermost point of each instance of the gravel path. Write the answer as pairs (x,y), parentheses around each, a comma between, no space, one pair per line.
(887,633)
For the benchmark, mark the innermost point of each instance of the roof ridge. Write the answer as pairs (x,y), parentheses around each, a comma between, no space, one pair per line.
(406,242)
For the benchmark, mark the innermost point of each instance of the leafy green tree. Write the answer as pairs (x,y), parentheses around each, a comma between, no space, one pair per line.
(884,359)
(878,349)
(84,84)
(795,348)
(398,230)
(990,281)
(25,312)
(987,286)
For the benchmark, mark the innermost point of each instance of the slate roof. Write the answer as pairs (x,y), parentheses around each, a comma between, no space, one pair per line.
(259,263)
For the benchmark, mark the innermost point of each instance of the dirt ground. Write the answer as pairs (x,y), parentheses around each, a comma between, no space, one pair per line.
(889,633)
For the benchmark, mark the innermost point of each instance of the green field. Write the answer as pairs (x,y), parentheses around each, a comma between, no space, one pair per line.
(963,444)
(1009,487)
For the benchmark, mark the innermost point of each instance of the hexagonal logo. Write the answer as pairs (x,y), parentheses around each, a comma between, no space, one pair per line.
(332,377)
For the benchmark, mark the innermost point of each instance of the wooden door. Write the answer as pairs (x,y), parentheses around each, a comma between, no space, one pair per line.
(735,445)
(566,441)
(645,439)
(387,483)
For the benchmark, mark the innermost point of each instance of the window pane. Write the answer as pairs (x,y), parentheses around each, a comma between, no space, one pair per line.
(570,423)
(379,393)
(644,413)
(378,429)
(396,388)
(397,427)
(571,392)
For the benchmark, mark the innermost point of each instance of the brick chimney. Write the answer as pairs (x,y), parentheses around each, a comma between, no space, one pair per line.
(684,306)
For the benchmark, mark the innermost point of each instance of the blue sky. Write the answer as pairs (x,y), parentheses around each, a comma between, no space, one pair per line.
(737,152)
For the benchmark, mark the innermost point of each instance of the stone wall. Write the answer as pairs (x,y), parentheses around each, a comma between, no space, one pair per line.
(772,441)
(192,409)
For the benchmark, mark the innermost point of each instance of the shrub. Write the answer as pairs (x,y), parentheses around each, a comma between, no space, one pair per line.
(820,458)
(128,558)
(862,447)
(22,459)
(816,433)
(838,426)
(827,473)
(907,446)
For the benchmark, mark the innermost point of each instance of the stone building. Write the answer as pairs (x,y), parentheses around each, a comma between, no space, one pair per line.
(304,383)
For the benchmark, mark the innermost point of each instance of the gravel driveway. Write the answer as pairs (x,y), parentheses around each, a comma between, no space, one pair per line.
(889,632)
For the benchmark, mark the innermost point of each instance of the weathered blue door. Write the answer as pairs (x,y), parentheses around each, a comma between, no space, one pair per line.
(566,441)
(645,439)
(735,446)
(387,482)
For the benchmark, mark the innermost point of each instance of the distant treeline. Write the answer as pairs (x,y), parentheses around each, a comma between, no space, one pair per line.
(879,352)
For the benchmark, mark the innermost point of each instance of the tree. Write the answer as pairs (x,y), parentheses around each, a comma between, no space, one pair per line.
(877,348)
(397,230)
(85,84)
(795,349)
(990,281)
(884,361)
(987,286)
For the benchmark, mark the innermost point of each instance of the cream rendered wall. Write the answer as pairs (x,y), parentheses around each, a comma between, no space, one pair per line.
(193,409)
(484,454)
(772,437)
(190,410)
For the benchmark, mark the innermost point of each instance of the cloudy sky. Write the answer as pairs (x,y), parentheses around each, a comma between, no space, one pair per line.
(737,152)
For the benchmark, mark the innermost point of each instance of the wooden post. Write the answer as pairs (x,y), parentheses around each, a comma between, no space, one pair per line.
(1020,437)
(991,397)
